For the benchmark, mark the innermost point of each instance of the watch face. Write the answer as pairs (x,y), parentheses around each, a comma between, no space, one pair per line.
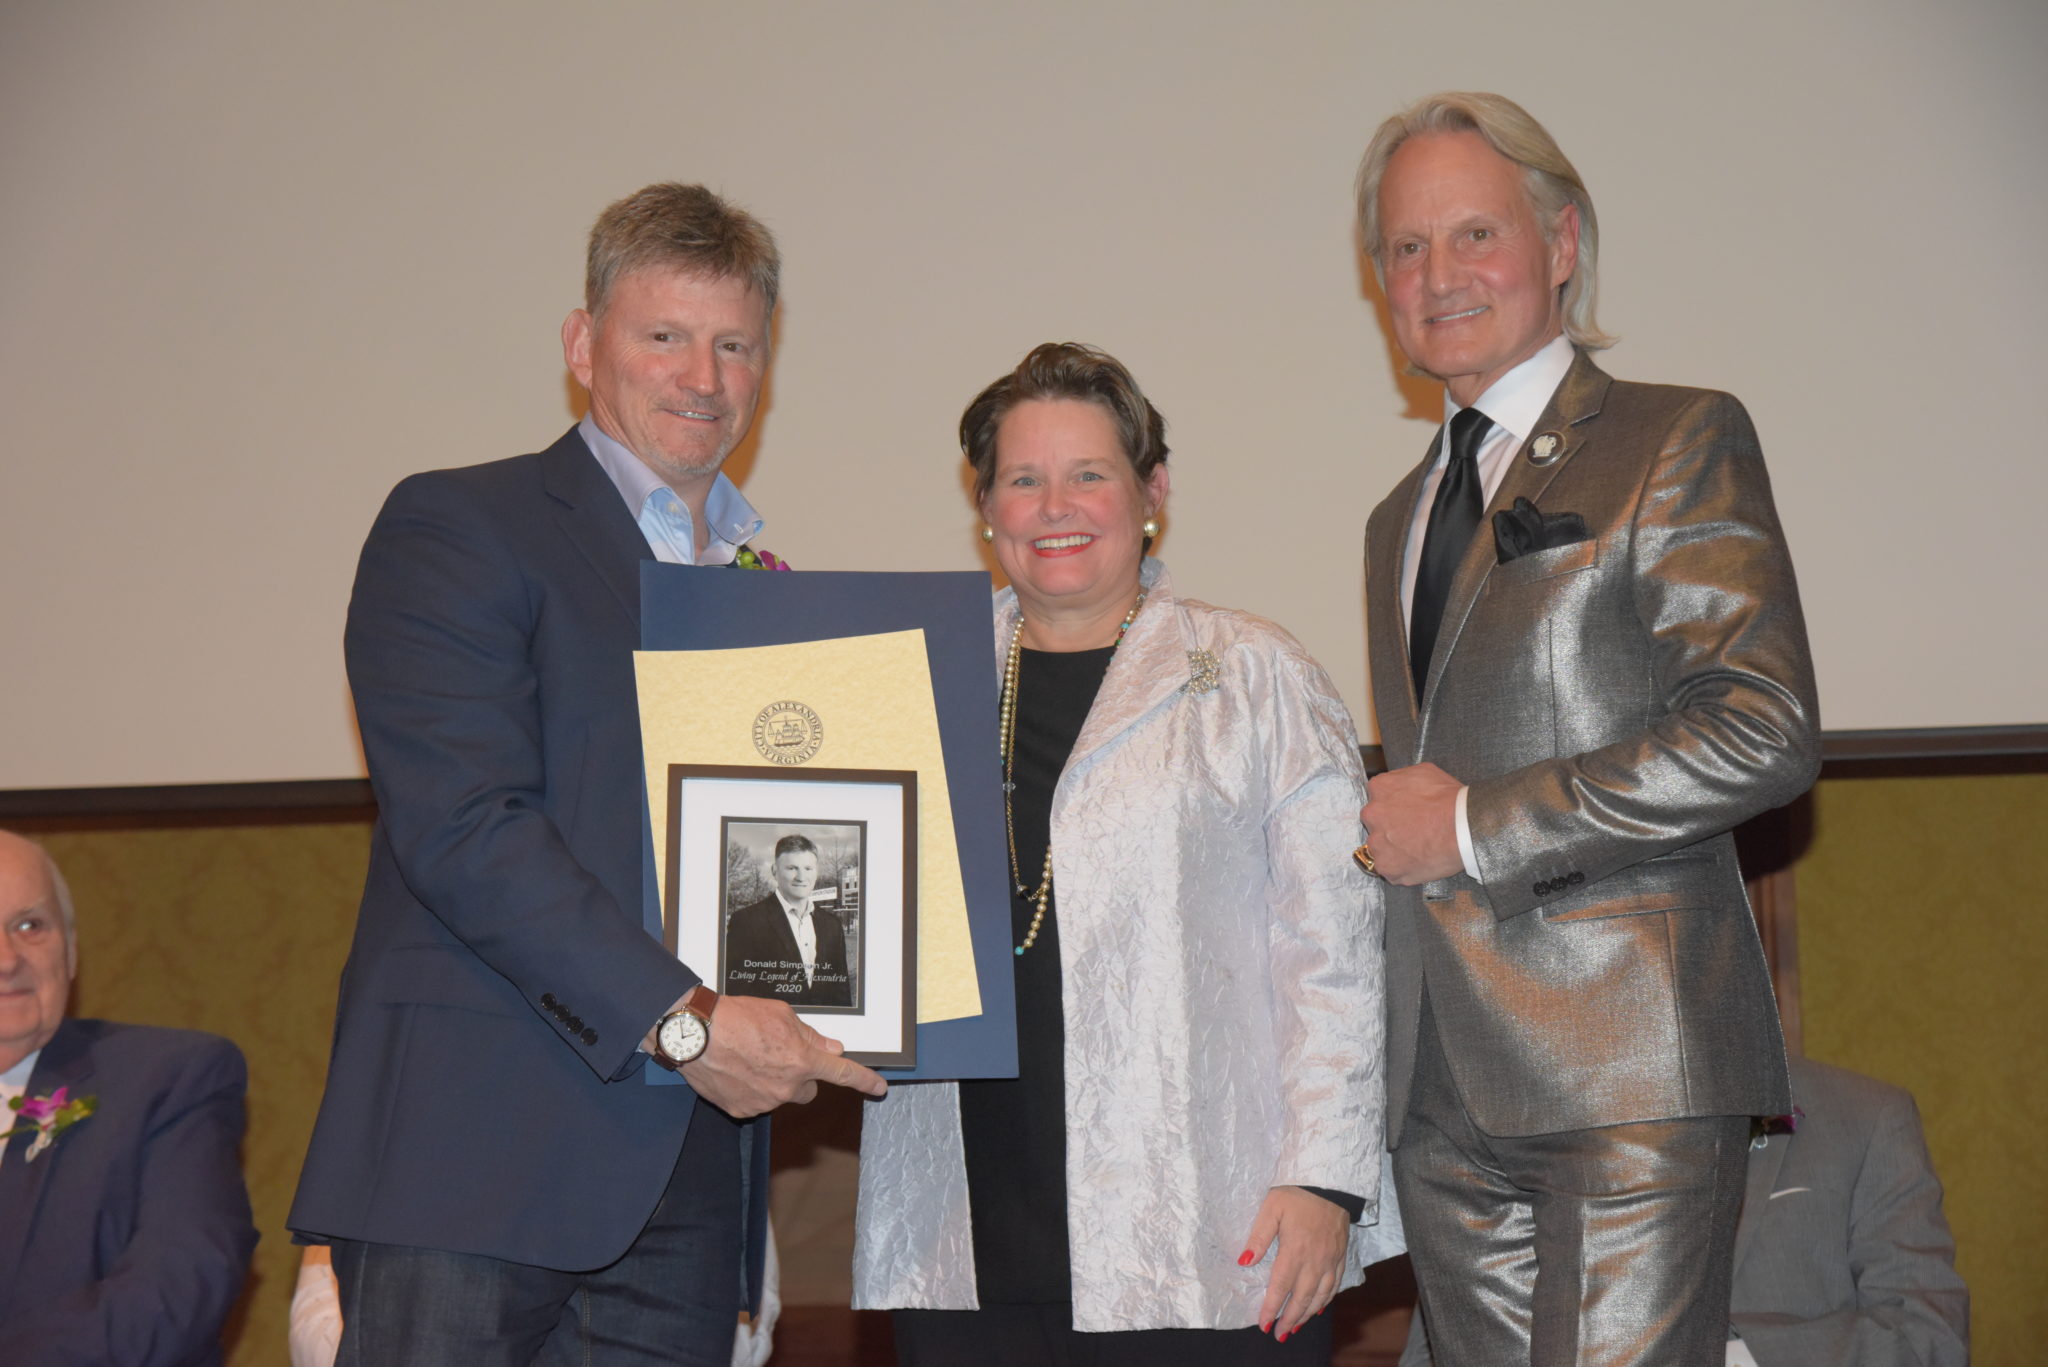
(682,1037)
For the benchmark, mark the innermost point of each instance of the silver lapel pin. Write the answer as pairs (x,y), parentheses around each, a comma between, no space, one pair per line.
(1547,447)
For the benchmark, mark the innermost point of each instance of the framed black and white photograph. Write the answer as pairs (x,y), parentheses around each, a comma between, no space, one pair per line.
(799,885)
(792,899)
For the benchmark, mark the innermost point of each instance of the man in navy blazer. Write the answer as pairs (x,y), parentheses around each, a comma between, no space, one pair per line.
(499,1181)
(125,1235)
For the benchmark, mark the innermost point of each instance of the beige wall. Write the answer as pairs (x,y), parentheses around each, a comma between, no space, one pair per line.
(1923,943)
(258,261)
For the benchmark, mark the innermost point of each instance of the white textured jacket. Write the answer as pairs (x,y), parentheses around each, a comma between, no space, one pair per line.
(1222,962)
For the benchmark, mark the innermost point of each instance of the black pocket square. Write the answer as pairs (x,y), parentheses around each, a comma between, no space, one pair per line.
(1524,528)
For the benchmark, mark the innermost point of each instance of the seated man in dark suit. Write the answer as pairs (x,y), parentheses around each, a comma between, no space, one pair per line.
(786,945)
(124,1225)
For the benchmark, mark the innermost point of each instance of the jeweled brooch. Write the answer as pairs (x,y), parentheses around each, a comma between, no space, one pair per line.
(1202,671)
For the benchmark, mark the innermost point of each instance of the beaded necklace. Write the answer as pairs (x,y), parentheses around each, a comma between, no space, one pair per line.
(1039,896)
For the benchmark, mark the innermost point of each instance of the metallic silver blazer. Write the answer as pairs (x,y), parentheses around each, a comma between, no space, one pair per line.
(1617,706)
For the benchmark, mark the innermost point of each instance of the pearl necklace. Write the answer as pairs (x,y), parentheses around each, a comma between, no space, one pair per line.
(1042,894)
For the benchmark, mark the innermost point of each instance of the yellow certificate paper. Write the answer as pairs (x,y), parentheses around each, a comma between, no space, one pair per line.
(860,704)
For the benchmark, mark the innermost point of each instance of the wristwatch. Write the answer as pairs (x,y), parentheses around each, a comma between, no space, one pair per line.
(685,1032)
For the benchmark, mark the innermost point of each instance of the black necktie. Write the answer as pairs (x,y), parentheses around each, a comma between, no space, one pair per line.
(1453,518)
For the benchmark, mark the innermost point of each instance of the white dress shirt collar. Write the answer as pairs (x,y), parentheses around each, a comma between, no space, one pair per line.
(663,517)
(1517,399)
(804,928)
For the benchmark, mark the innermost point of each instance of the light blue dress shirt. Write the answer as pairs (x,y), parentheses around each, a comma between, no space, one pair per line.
(664,519)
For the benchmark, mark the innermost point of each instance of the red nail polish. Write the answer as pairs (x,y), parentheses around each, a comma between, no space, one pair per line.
(1265,1326)
(1244,1259)
(1281,1338)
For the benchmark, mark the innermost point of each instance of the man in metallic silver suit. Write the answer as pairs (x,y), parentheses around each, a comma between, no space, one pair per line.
(1589,665)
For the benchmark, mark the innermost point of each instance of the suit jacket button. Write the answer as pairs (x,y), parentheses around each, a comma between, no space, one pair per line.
(590,1036)
(1576,879)
(547,999)
(1542,888)
(575,1024)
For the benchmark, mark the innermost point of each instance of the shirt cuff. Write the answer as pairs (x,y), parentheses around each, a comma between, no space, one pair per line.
(1739,1354)
(1352,1206)
(1465,837)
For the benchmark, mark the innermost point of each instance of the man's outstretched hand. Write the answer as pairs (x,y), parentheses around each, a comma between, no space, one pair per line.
(761,1056)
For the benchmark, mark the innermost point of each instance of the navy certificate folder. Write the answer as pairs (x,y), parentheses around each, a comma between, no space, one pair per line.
(684,609)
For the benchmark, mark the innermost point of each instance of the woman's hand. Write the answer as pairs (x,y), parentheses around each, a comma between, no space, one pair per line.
(1312,1234)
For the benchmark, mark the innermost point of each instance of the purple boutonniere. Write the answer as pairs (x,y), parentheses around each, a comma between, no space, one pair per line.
(52,1115)
(1762,1127)
(751,559)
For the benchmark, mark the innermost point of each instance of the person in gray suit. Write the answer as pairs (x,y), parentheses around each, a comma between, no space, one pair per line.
(1842,1255)
(1589,664)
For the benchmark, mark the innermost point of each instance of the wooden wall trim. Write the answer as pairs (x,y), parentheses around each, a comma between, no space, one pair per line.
(1933,752)
(189,804)
(1844,754)
(1923,750)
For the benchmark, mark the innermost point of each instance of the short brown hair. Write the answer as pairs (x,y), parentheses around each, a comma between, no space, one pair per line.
(681,227)
(1548,176)
(1064,370)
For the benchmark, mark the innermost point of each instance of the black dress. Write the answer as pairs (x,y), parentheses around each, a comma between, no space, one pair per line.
(1015,1130)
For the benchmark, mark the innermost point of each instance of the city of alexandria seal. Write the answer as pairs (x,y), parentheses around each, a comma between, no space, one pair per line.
(788,733)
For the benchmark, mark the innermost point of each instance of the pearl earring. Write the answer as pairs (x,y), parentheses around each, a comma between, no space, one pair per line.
(1150,526)
(988,534)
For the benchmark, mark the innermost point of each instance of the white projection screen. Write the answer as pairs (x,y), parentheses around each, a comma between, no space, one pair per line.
(258,261)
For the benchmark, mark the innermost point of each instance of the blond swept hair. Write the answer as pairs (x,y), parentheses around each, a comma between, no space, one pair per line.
(1548,176)
(685,228)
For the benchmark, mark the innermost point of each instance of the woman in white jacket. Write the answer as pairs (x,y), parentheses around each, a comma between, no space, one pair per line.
(1188,1165)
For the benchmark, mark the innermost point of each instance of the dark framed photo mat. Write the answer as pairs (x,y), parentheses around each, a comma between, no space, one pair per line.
(705,801)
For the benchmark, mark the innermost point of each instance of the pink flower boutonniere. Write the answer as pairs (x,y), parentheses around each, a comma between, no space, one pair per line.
(1762,1127)
(52,1115)
(751,559)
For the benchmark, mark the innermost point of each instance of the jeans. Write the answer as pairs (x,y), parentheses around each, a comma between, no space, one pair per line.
(673,1297)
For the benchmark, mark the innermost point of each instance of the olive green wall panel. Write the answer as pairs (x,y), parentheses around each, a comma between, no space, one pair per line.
(1923,948)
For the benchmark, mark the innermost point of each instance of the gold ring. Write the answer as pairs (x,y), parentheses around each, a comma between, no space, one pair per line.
(1363,854)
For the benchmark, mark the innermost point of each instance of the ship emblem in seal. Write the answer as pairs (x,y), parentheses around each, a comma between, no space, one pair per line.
(788,733)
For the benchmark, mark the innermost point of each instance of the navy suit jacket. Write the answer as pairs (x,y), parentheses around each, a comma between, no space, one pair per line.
(485,1093)
(128,1239)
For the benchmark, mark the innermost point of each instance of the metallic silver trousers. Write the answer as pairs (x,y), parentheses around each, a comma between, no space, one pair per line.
(1610,1247)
